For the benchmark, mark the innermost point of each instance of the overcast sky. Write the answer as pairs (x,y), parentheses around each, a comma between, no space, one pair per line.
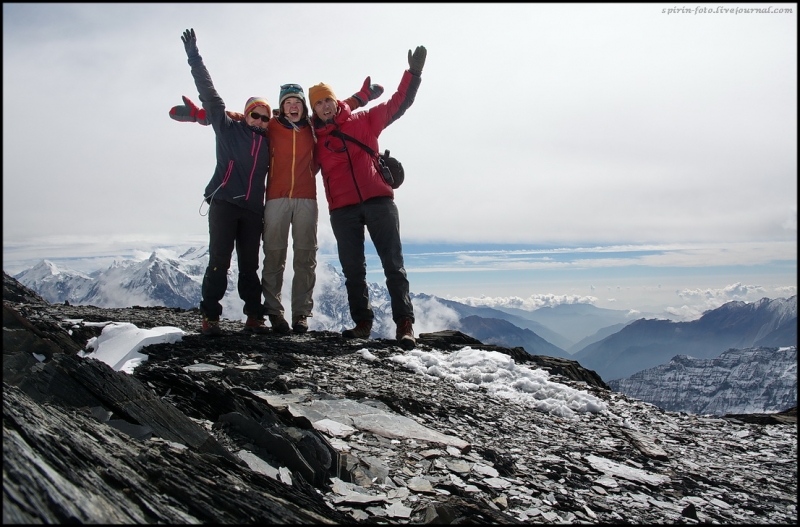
(581,149)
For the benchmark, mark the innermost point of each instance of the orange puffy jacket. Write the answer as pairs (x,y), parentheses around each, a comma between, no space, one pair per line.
(292,166)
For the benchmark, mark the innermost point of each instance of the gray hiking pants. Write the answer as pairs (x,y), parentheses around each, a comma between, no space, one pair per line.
(279,215)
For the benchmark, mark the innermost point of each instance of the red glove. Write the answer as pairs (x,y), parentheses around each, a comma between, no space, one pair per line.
(369,92)
(189,112)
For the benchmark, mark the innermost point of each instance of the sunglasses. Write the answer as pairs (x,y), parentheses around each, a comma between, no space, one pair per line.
(255,115)
(291,87)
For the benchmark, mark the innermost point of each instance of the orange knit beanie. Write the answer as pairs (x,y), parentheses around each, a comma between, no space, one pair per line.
(319,92)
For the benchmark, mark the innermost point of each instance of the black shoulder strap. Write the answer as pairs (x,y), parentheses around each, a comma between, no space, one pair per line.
(343,135)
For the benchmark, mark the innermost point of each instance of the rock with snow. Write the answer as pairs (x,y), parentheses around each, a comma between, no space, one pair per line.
(220,452)
(739,381)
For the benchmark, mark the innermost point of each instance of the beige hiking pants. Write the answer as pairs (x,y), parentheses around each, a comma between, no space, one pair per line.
(279,215)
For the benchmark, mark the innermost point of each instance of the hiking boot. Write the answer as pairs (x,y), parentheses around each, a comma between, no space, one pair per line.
(361,331)
(255,325)
(300,324)
(210,328)
(279,324)
(405,334)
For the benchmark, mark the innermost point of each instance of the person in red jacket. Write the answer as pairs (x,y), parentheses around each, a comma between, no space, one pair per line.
(291,199)
(359,196)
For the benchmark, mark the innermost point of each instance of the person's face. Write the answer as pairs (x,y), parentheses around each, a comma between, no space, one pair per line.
(293,109)
(258,116)
(325,108)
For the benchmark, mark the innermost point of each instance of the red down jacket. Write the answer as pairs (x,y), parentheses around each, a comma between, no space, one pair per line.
(350,175)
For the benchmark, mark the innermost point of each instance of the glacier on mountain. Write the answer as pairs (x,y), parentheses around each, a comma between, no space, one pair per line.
(751,380)
(175,281)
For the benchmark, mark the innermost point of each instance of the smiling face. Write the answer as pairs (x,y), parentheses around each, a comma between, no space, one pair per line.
(258,116)
(293,109)
(326,108)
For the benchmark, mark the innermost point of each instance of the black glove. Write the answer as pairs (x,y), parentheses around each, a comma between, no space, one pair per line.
(369,92)
(417,60)
(190,43)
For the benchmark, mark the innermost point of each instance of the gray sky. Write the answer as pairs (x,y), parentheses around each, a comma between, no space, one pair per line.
(536,126)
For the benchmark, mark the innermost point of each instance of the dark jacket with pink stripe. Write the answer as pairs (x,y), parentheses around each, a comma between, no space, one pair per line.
(242,152)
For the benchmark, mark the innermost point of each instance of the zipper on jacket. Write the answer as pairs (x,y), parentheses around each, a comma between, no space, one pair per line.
(294,157)
(253,152)
(227,175)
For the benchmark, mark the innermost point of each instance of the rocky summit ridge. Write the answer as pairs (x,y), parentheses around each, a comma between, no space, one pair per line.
(317,429)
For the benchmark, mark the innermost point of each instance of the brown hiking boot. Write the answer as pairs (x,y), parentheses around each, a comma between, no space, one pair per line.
(279,324)
(300,324)
(210,328)
(255,325)
(405,334)
(361,331)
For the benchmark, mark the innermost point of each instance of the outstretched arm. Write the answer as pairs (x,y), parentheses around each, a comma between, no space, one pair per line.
(409,84)
(190,113)
(368,92)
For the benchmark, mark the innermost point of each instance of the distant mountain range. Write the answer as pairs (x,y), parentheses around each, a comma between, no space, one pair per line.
(604,340)
(578,323)
(504,333)
(157,281)
(175,282)
(553,338)
(761,380)
(645,343)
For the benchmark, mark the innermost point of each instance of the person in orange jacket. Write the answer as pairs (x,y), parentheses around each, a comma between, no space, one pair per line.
(291,200)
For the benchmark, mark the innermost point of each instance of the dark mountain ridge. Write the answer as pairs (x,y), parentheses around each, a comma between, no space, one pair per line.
(576,321)
(464,311)
(647,343)
(504,333)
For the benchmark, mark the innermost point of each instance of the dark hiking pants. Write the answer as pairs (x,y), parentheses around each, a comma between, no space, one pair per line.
(381,218)
(230,226)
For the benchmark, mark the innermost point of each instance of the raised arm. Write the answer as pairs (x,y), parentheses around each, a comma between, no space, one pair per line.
(212,102)
(388,112)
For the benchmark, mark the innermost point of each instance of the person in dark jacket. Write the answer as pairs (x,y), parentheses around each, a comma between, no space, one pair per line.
(359,196)
(235,196)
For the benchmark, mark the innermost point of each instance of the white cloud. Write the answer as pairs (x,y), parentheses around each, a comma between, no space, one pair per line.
(736,291)
(531,303)
(662,147)
(702,300)
(683,141)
